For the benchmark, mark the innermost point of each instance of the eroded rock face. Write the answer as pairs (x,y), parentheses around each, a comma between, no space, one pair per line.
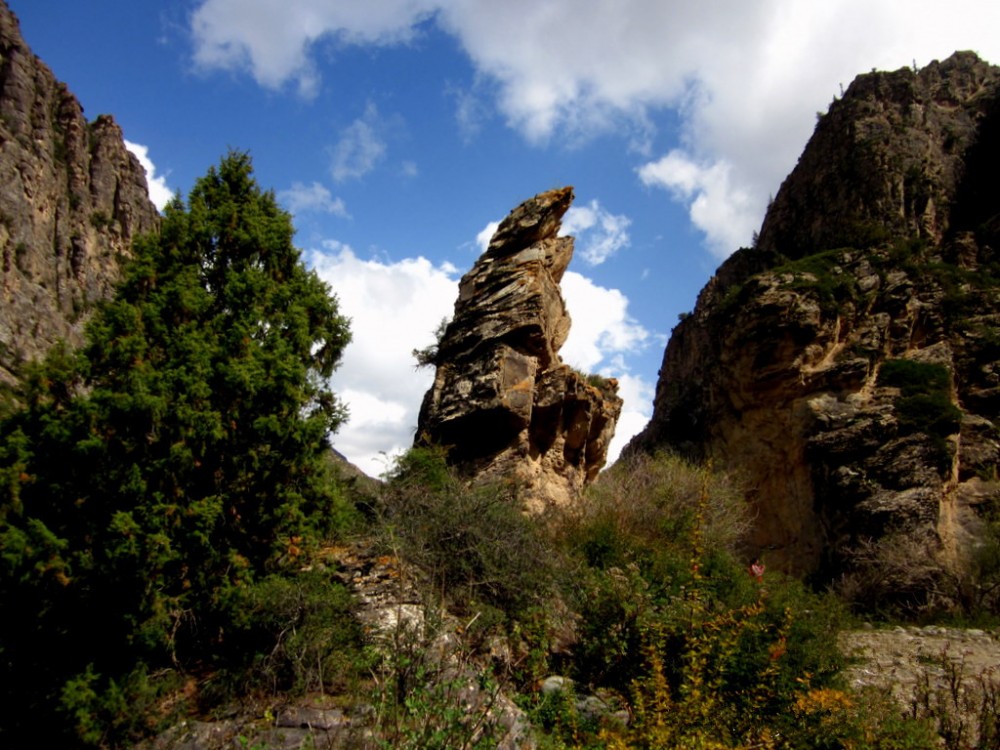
(71,200)
(847,365)
(502,402)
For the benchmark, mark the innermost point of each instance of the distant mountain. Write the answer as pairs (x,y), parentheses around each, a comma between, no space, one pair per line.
(71,200)
(847,365)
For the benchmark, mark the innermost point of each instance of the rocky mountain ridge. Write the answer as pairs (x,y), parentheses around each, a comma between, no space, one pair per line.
(503,403)
(847,364)
(72,198)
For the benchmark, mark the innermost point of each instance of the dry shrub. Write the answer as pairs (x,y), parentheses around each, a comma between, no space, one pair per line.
(963,709)
(645,500)
(895,575)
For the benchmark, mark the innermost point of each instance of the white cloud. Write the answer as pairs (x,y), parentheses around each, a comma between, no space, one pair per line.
(725,212)
(599,233)
(301,198)
(159,193)
(637,395)
(360,147)
(746,78)
(602,336)
(484,237)
(471,111)
(394,308)
(275,41)
(602,327)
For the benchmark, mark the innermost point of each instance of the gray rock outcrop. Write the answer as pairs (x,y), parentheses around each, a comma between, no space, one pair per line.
(503,403)
(847,365)
(72,198)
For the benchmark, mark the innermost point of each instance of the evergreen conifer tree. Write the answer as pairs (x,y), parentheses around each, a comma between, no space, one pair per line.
(176,457)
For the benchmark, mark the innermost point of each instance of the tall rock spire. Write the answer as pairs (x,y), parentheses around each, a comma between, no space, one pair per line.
(503,403)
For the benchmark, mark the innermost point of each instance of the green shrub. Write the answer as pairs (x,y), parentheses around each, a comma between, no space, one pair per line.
(291,634)
(821,276)
(105,711)
(913,377)
(673,623)
(473,540)
(925,403)
(645,508)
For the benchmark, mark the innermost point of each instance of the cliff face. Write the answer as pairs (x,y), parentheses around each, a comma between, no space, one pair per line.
(502,402)
(847,365)
(71,200)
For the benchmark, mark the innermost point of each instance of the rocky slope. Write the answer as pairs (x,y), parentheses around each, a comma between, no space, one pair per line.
(503,403)
(847,364)
(71,200)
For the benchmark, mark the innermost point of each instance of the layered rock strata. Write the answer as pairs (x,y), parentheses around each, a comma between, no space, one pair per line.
(847,365)
(71,199)
(503,403)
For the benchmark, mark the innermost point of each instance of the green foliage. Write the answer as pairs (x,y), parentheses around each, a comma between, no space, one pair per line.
(598,381)
(820,274)
(100,219)
(644,510)
(178,456)
(291,634)
(925,403)
(704,653)
(474,541)
(428,356)
(429,695)
(914,378)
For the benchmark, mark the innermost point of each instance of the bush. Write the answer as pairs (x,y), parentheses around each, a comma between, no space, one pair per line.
(646,508)
(291,634)
(925,403)
(475,542)
(704,652)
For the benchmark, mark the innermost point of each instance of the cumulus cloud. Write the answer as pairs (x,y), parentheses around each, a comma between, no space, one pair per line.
(275,42)
(301,198)
(602,327)
(394,308)
(484,237)
(360,147)
(159,193)
(745,78)
(724,211)
(599,233)
(602,337)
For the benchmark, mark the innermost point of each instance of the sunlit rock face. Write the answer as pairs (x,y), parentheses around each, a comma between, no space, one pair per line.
(503,403)
(71,200)
(847,366)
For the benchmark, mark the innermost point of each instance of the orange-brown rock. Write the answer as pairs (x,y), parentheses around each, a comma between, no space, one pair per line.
(847,365)
(503,403)
(71,200)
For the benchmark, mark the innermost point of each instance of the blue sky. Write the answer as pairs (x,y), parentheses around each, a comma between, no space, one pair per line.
(398,131)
